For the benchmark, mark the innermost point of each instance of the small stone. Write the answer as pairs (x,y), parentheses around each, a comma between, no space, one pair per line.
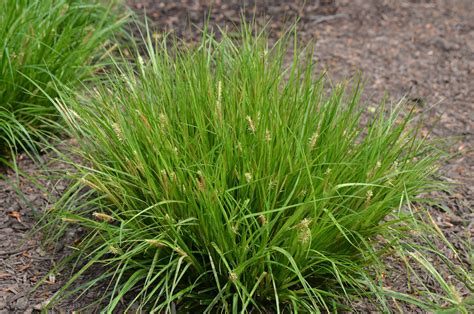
(41,252)
(456,220)
(32,197)
(443,44)
(21,303)
(14,207)
(42,305)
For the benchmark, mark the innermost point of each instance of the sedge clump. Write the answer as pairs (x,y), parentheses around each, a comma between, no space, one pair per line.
(236,180)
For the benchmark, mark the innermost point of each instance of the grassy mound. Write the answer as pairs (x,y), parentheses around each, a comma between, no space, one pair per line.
(219,178)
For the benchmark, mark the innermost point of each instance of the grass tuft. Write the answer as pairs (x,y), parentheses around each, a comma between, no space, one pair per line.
(218,177)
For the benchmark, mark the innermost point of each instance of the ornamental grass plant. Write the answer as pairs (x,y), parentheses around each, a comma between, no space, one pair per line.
(217,177)
(44,43)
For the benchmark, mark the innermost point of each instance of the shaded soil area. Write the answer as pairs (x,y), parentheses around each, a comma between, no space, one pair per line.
(419,49)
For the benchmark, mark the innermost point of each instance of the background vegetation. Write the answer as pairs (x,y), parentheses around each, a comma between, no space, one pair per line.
(43,43)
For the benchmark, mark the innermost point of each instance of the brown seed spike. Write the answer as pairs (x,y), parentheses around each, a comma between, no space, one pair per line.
(201,183)
(103,217)
(144,119)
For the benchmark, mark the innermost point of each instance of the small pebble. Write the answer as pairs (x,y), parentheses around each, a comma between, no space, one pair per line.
(22,303)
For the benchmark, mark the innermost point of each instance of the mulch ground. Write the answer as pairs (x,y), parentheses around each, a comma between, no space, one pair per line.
(419,49)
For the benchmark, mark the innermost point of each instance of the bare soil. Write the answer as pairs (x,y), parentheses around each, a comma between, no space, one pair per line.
(419,49)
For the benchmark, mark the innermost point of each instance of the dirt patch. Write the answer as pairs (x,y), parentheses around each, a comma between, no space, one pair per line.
(422,50)
(23,259)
